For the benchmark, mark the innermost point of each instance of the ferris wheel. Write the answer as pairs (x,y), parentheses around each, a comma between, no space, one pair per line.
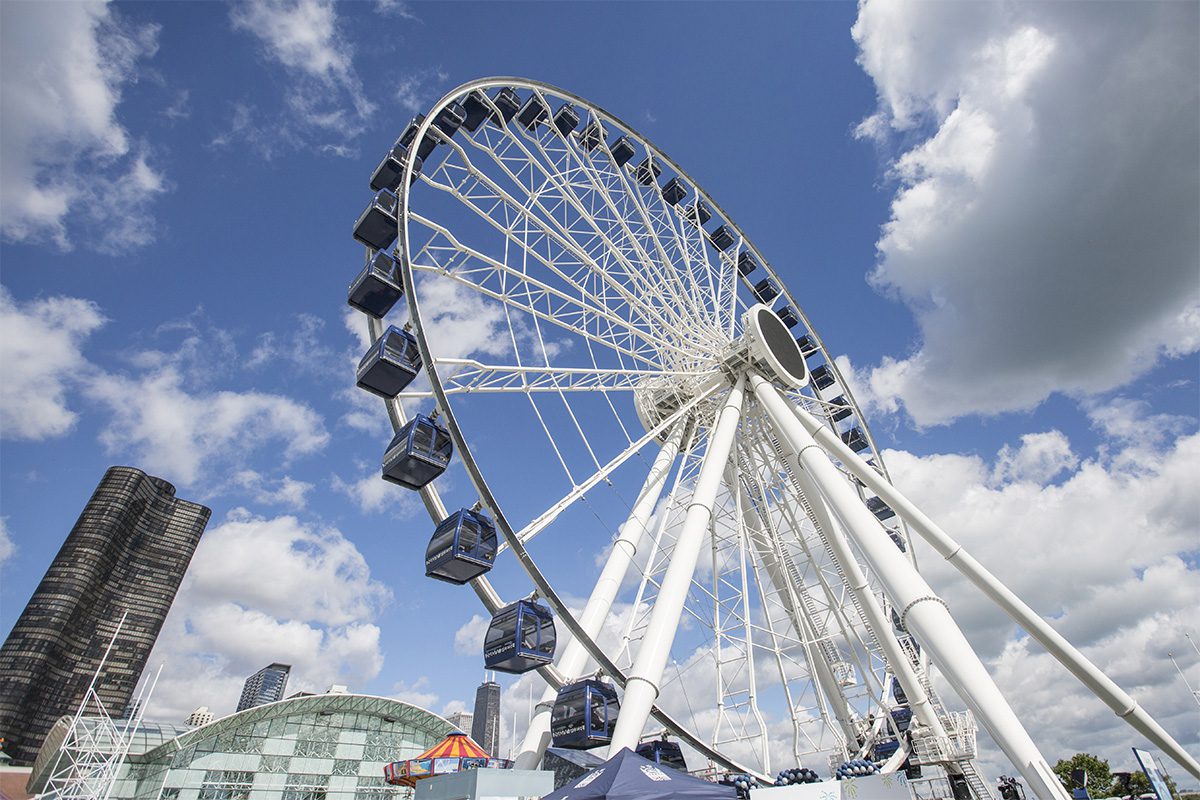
(656,442)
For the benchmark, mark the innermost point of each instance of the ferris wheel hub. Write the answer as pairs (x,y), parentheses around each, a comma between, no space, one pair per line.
(770,348)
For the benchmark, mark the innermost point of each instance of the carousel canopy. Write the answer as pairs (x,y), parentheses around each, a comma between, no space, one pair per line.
(455,753)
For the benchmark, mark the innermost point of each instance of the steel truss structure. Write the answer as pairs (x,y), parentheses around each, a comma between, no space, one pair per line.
(95,745)
(590,326)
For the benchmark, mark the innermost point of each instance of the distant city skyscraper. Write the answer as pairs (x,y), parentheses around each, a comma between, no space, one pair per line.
(485,725)
(265,686)
(461,720)
(201,716)
(127,552)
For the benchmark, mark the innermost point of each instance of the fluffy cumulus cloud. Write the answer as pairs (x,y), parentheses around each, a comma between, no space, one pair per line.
(325,99)
(316,612)
(40,353)
(7,548)
(1043,229)
(1104,546)
(172,431)
(66,157)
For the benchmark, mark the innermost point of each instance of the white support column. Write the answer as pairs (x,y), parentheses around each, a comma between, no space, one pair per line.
(642,684)
(923,612)
(575,656)
(878,621)
(1076,662)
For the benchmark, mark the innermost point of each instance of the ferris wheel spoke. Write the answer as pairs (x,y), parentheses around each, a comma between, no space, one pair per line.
(560,233)
(546,518)
(646,356)
(610,211)
(852,630)
(591,216)
(580,300)
(468,375)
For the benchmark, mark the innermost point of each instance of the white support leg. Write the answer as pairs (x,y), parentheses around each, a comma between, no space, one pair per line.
(642,684)
(1076,662)
(574,657)
(878,621)
(923,612)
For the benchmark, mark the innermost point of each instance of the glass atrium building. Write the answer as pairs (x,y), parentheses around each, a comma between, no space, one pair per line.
(315,747)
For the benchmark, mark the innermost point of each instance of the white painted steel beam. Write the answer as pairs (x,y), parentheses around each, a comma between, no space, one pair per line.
(924,613)
(624,548)
(1076,662)
(643,682)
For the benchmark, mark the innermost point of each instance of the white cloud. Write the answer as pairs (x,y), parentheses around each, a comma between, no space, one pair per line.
(372,494)
(285,491)
(396,8)
(416,91)
(316,613)
(299,348)
(1043,231)
(1040,457)
(40,355)
(417,693)
(7,547)
(468,639)
(1107,552)
(65,156)
(325,95)
(173,432)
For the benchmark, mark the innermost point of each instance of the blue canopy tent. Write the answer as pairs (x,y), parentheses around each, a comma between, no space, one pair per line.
(628,776)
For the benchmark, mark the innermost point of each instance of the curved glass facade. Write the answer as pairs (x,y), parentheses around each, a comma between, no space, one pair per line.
(317,747)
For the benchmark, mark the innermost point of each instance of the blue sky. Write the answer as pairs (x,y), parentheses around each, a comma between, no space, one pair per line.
(985,210)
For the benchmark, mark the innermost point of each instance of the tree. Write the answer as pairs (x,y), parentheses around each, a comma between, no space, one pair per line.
(1099,776)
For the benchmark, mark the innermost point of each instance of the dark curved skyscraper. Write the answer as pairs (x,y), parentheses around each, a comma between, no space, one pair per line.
(127,553)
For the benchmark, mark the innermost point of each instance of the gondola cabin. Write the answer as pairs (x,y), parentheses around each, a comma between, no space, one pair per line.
(376,226)
(477,110)
(722,238)
(854,437)
(902,717)
(647,171)
(533,112)
(746,263)
(788,316)
(674,191)
(664,752)
(377,287)
(822,376)
(898,692)
(884,750)
(390,171)
(520,638)
(566,119)
(622,150)
(584,715)
(507,102)
(766,290)
(592,136)
(463,547)
(418,453)
(390,364)
(450,118)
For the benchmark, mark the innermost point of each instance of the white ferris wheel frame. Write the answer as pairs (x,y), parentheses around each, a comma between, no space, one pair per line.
(802,440)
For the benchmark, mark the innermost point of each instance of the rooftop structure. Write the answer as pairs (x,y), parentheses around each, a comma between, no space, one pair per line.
(324,745)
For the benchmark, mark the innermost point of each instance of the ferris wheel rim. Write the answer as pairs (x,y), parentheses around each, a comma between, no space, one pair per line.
(446,406)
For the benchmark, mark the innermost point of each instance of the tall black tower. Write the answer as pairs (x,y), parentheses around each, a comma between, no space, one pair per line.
(485,726)
(127,553)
